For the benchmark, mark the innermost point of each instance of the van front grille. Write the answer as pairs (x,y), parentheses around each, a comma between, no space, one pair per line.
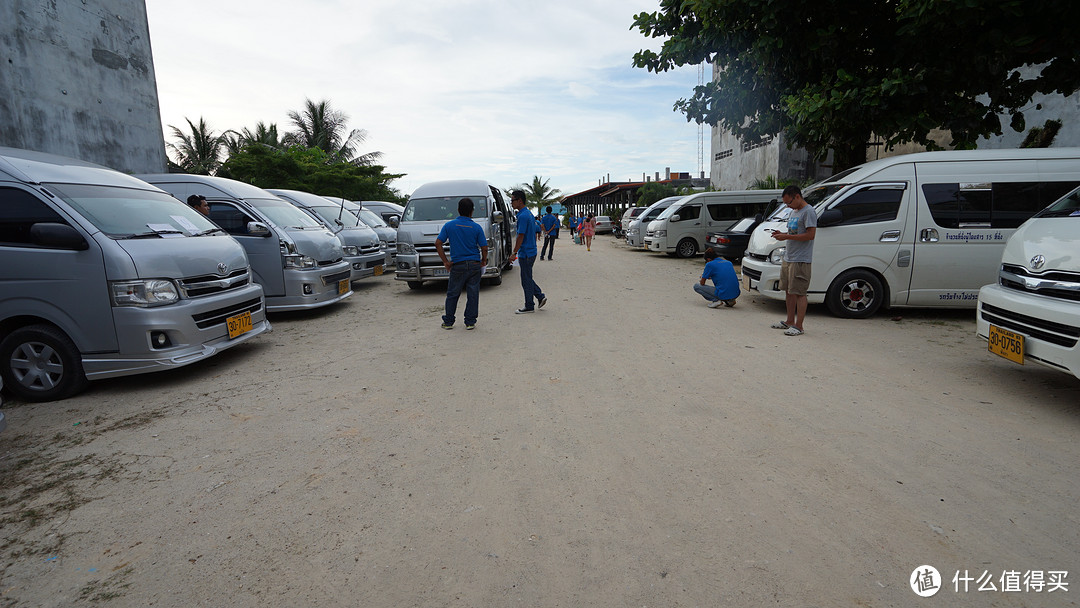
(1052,284)
(332,279)
(194,287)
(204,320)
(750,272)
(1047,331)
(329,262)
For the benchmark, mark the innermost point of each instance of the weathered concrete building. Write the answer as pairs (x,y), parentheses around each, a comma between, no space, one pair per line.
(77,78)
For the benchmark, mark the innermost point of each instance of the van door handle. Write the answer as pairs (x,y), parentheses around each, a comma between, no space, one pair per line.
(890,236)
(928,235)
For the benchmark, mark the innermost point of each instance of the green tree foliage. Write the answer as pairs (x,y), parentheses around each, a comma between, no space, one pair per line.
(538,194)
(320,126)
(652,192)
(198,151)
(1042,137)
(310,170)
(829,74)
(264,134)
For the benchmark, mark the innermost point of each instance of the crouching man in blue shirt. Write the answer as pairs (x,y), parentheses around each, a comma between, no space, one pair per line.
(725,284)
(468,257)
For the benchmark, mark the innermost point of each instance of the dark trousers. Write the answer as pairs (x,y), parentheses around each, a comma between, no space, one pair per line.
(549,246)
(464,275)
(532,290)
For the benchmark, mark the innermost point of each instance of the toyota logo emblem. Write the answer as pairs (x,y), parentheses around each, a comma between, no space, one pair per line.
(222,268)
(1037,262)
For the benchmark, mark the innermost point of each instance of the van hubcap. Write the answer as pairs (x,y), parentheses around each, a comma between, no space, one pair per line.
(37,366)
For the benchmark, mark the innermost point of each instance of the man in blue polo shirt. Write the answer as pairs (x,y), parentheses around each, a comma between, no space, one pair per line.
(526,244)
(550,225)
(725,283)
(468,257)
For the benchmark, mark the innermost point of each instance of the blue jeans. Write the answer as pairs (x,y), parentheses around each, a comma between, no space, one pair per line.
(464,274)
(707,291)
(549,247)
(532,290)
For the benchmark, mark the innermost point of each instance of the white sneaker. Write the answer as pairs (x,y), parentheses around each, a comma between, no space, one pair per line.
(714,303)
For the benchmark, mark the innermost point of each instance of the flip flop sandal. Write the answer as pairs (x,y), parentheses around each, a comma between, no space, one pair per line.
(793,331)
(779,325)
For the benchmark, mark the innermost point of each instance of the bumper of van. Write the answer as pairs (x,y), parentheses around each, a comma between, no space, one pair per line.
(1050,326)
(307,289)
(408,270)
(195,330)
(367,265)
(762,277)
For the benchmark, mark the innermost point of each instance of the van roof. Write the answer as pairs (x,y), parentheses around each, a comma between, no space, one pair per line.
(861,171)
(304,198)
(33,167)
(458,187)
(228,186)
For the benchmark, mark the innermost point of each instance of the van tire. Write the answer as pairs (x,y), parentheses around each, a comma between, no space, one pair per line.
(687,248)
(855,294)
(415,284)
(25,351)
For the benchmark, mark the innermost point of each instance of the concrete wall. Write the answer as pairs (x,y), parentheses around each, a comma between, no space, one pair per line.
(77,78)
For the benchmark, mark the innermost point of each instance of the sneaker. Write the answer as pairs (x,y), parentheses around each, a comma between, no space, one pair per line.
(470,327)
(714,303)
(543,300)
(445,326)
(522,311)
(729,303)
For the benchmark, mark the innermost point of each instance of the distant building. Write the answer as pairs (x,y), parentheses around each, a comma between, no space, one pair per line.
(619,196)
(77,79)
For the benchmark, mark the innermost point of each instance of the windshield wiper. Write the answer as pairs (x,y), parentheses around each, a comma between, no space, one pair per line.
(208,231)
(146,235)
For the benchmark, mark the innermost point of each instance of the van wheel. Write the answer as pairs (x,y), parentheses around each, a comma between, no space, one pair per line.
(855,294)
(687,248)
(40,363)
(415,284)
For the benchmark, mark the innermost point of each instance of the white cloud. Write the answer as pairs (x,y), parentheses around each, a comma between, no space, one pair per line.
(446,89)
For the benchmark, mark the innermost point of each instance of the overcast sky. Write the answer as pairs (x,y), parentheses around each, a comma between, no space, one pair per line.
(446,89)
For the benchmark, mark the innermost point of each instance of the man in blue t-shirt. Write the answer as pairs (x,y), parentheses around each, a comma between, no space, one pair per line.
(526,244)
(550,226)
(572,223)
(468,257)
(725,284)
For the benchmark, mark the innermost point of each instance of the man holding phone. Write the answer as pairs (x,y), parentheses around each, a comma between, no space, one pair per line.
(798,254)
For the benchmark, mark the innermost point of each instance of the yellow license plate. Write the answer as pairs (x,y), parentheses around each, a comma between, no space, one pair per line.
(378,270)
(343,286)
(238,324)
(1005,343)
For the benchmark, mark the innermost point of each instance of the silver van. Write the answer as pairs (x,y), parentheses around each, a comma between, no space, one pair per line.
(298,262)
(434,204)
(681,229)
(104,275)
(387,234)
(361,245)
(385,209)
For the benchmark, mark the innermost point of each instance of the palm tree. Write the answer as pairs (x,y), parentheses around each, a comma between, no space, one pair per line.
(540,194)
(264,134)
(320,126)
(199,152)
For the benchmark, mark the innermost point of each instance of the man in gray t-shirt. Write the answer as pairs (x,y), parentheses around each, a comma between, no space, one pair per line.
(799,252)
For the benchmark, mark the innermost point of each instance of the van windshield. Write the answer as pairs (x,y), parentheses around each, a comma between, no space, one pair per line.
(333,214)
(128,213)
(670,211)
(1066,206)
(372,219)
(283,214)
(441,208)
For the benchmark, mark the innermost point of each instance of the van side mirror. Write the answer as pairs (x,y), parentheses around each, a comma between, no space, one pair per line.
(758,218)
(258,229)
(50,234)
(831,217)
(394,221)
(675,217)
(498,217)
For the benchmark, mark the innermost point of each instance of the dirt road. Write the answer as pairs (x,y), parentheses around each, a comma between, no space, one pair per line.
(625,446)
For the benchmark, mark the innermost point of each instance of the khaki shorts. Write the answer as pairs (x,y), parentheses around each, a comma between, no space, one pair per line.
(795,277)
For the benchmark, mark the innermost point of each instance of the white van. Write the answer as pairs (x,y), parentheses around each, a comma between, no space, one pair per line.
(1033,311)
(299,263)
(923,229)
(635,232)
(104,275)
(681,228)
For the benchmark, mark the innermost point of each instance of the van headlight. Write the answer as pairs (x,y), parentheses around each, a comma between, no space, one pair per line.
(298,261)
(145,293)
(406,248)
(777,255)
(632,231)
(350,249)
(660,233)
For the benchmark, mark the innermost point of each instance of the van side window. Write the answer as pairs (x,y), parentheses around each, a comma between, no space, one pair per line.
(870,205)
(18,211)
(689,212)
(1002,205)
(230,218)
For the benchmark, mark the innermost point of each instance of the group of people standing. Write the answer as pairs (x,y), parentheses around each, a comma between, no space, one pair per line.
(585,226)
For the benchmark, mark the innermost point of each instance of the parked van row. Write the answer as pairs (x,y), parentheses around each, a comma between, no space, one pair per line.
(924,229)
